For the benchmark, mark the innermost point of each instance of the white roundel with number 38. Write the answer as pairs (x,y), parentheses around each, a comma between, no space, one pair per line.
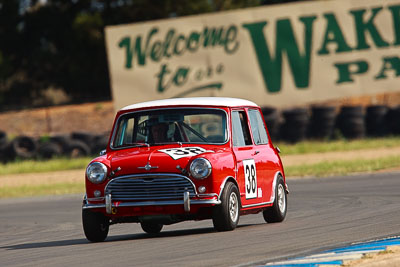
(250,175)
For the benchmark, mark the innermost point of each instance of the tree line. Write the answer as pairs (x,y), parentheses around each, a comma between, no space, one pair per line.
(55,49)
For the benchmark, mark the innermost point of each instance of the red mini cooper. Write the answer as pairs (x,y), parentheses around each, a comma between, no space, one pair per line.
(182,159)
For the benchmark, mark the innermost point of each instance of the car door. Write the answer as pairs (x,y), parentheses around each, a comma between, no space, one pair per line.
(266,163)
(247,160)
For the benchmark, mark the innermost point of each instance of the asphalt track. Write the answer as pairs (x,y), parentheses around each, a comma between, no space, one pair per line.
(323,213)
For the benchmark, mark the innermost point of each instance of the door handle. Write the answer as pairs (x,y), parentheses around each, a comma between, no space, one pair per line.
(256,152)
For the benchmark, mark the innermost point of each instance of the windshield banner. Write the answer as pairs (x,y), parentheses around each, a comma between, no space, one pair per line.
(277,55)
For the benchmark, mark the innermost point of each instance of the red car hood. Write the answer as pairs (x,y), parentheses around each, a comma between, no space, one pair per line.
(158,159)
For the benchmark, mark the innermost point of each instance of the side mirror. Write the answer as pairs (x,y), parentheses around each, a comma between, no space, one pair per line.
(277,149)
(103,152)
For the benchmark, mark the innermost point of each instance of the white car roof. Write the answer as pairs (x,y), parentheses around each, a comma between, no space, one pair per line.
(195,101)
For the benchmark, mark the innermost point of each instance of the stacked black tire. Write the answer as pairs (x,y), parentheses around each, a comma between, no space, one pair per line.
(72,146)
(294,128)
(350,122)
(322,122)
(272,119)
(393,121)
(376,121)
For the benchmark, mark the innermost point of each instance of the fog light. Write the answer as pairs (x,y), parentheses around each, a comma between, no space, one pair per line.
(202,189)
(97,193)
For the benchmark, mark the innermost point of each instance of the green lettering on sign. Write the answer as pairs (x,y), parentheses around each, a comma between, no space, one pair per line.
(271,68)
(130,51)
(368,26)
(333,34)
(345,73)
(396,23)
(389,63)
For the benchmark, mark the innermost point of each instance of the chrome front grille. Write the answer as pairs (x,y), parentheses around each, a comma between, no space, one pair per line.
(149,187)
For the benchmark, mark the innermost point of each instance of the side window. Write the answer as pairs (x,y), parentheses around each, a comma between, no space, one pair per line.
(257,127)
(240,129)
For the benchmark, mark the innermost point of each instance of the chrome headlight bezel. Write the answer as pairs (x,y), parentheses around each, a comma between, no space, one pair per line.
(96,172)
(200,168)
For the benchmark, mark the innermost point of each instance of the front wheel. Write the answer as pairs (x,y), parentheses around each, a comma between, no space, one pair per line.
(277,212)
(95,225)
(226,215)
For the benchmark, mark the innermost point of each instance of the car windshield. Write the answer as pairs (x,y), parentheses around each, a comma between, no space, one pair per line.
(163,126)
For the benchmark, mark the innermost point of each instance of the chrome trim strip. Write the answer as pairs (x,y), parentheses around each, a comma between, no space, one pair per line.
(95,199)
(108,204)
(186,201)
(153,203)
(258,204)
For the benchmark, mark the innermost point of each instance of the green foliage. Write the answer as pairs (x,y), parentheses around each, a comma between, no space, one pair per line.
(60,43)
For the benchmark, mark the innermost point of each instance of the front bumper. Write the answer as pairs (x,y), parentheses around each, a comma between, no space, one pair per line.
(186,202)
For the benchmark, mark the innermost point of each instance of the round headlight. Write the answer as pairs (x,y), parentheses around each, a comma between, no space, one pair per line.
(96,172)
(200,168)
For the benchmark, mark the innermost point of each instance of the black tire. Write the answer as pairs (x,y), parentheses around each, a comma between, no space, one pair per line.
(100,143)
(49,150)
(95,226)
(294,129)
(272,120)
(375,120)
(24,147)
(77,149)
(277,212)
(351,122)
(226,215)
(3,138)
(151,227)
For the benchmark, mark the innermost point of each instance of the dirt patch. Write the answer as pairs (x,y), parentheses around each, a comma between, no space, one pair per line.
(93,117)
(391,257)
(47,178)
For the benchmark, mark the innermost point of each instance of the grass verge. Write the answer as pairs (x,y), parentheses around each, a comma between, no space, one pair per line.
(307,147)
(35,166)
(42,190)
(342,167)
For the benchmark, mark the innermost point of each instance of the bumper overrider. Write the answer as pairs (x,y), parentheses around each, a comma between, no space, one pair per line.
(150,190)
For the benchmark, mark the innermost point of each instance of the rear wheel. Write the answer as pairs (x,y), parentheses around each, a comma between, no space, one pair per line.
(277,212)
(95,225)
(226,215)
(151,227)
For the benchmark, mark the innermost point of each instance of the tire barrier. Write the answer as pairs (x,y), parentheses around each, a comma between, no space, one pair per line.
(393,120)
(72,146)
(375,120)
(350,122)
(294,128)
(322,122)
(318,122)
(271,117)
(3,146)
(23,147)
(77,148)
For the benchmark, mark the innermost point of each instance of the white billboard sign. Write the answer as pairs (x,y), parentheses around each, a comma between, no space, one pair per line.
(277,55)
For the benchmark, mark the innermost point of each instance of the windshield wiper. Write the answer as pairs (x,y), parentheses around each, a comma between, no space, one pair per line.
(167,143)
(140,144)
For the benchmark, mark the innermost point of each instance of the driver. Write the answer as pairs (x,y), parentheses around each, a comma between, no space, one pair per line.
(159,132)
